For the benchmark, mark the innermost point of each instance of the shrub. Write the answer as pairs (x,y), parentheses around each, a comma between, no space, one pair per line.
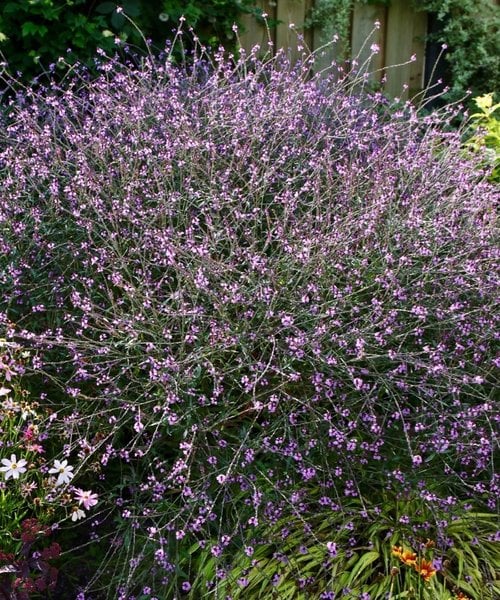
(250,296)
(34,34)
(471,29)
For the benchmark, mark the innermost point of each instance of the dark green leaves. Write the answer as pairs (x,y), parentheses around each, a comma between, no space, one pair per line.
(106,8)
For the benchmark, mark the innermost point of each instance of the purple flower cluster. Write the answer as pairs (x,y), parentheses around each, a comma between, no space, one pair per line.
(245,284)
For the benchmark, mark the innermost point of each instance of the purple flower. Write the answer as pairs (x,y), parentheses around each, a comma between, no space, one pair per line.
(416,460)
(332,548)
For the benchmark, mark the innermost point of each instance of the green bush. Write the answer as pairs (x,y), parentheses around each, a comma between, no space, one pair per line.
(35,33)
(485,126)
(470,29)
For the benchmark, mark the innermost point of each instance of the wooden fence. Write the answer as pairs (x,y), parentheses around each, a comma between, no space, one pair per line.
(401,34)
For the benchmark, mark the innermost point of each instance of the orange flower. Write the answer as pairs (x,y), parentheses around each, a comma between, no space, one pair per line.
(425,568)
(408,558)
(462,596)
(405,556)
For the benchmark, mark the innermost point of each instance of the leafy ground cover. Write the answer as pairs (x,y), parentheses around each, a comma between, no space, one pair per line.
(249,339)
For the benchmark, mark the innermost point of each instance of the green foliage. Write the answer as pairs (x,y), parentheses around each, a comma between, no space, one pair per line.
(333,18)
(470,29)
(485,126)
(212,20)
(293,559)
(35,33)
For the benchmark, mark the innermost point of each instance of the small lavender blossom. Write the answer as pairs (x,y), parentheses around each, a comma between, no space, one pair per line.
(416,460)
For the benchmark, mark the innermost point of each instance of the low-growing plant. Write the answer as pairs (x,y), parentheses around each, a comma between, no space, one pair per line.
(29,570)
(252,298)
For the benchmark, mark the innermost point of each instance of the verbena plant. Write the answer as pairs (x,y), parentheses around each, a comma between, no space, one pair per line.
(255,301)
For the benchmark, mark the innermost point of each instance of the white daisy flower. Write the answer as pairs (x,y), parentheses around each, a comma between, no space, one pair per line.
(13,467)
(77,513)
(63,472)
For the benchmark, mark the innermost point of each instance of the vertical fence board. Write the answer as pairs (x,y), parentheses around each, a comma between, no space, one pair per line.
(290,12)
(329,51)
(255,32)
(364,34)
(308,33)
(417,68)
(399,47)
